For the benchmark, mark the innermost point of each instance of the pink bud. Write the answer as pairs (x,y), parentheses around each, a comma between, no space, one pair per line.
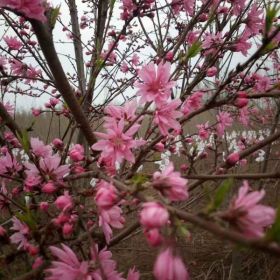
(61,219)
(64,201)
(184,167)
(36,112)
(169,56)
(67,229)
(77,153)
(169,266)
(153,215)
(153,236)
(106,195)
(159,147)
(44,206)
(211,72)
(78,169)
(242,94)
(54,102)
(37,263)
(233,158)
(2,231)
(49,188)
(33,250)
(58,144)
(241,102)
(189,140)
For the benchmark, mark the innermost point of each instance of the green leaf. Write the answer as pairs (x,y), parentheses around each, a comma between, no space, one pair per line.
(182,229)
(269,47)
(54,15)
(24,140)
(271,15)
(194,50)
(220,195)
(27,218)
(274,232)
(139,179)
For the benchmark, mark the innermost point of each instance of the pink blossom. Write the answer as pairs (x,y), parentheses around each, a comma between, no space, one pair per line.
(169,56)
(18,68)
(254,22)
(127,112)
(238,6)
(77,153)
(49,188)
(68,266)
(159,147)
(247,215)
(244,116)
(58,144)
(44,206)
(37,262)
(153,215)
(171,184)
(117,144)
(49,166)
(34,9)
(21,234)
(106,195)
(211,72)
(176,6)
(193,102)
(36,112)
(64,201)
(12,42)
(153,237)
(67,229)
(233,158)
(262,83)
(32,74)
(203,132)
(166,115)
(155,84)
(3,232)
(108,218)
(106,268)
(127,8)
(224,120)
(10,138)
(135,60)
(192,37)
(133,274)
(169,266)
(242,45)
(3,62)
(211,42)
(189,6)
(39,148)
(8,164)
(124,67)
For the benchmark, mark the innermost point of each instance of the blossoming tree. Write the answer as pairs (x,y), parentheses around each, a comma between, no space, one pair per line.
(132,78)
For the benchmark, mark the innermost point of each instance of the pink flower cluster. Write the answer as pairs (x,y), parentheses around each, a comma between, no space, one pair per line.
(247,215)
(110,214)
(34,9)
(49,165)
(117,143)
(153,216)
(156,87)
(171,184)
(69,267)
(169,266)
